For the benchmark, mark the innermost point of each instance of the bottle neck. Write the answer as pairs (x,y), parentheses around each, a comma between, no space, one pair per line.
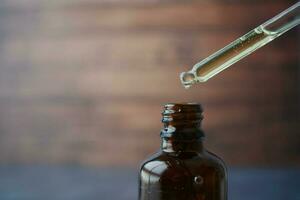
(182,132)
(171,146)
(188,139)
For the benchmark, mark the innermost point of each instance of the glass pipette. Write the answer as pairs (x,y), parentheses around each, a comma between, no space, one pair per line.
(242,47)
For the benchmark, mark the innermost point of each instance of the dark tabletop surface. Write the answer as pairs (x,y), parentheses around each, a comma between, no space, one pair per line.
(77,183)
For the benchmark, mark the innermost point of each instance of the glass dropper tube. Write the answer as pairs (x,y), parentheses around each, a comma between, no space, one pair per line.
(242,47)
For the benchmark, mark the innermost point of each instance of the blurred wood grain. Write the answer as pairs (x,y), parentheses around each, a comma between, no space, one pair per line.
(83,82)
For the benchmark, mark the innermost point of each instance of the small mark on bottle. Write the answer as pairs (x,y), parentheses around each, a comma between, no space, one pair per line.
(198,180)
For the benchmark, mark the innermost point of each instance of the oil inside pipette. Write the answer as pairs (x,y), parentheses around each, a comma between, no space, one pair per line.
(227,56)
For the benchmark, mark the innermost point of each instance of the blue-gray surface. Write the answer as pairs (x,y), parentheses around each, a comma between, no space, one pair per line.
(75,183)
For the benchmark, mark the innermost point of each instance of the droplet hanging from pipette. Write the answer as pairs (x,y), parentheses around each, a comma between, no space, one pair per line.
(187,79)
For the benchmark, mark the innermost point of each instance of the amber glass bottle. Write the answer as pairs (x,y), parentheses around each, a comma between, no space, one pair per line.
(183,169)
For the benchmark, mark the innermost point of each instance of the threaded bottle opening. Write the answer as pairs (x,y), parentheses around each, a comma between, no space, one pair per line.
(182,113)
(182,121)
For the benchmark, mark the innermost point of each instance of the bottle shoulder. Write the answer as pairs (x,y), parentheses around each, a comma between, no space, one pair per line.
(155,156)
(182,176)
(214,159)
(176,171)
(164,169)
(166,161)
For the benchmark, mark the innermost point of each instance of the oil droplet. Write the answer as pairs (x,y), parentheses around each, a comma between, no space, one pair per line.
(187,86)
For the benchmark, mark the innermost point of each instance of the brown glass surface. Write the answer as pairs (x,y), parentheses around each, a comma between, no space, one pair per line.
(183,169)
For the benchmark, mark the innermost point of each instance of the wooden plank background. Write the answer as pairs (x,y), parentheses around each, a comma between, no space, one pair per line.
(84,81)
